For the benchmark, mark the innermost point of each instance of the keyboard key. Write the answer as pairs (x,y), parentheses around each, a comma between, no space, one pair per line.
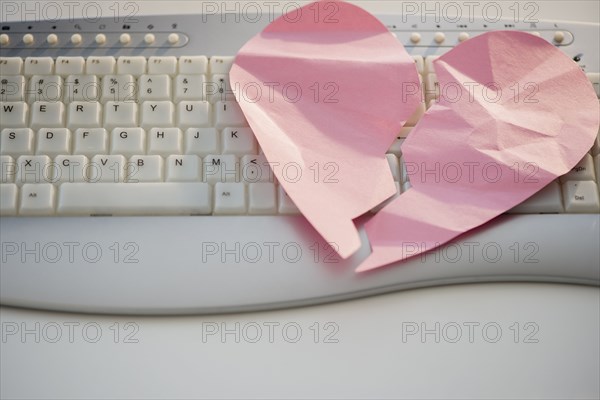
(431,102)
(547,200)
(34,169)
(581,197)
(262,198)
(429,68)
(52,142)
(189,87)
(403,171)
(412,121)
(162,65)
(404,132)
(100,65)
(202,141)
(419,63)
(193,65)
(220,64)
(13,114)
(157,114)
(46,114)
(193,114)
(154,87)
(38,66)
(11,65)
(118,88)
(256,168)
(238,141)
(594,78)
(8,199)
(45,88)
(16,142)
(8,169)
(164,141)
(597,166)
(228,113)
(135,66)
(396,147)
(12,88)
(220,168)
(37,199)
(432,87)
(107,168)
(583,171)
(120,114)
(230,198)
(286,205)
(84,114)
(128,141)
(182,168)
(81,88)
(70,66)
(595,150)
(69,168)
(218,88)
(145,169)
(177,198)
(89,142)
(394,166)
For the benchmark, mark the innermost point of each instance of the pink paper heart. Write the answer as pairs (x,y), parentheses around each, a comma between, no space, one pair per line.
(530,116)
(357,86)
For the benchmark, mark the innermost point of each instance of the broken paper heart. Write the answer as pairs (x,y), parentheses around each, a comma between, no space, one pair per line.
(326,89)
(515,113)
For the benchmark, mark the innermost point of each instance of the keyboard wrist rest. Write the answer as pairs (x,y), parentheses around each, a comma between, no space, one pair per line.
(209,265)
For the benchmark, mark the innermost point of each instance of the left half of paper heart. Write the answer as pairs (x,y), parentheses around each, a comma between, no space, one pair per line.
(326,91)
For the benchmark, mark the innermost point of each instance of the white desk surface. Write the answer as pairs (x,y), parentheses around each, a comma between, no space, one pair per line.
(370,360)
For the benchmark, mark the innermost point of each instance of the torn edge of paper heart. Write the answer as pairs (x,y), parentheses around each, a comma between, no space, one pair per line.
(338,146)
(551,133)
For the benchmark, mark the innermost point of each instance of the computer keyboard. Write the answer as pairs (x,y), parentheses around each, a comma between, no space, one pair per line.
(132,183)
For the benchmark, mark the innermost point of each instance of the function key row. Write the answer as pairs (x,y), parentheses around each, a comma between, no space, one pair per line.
(136,65)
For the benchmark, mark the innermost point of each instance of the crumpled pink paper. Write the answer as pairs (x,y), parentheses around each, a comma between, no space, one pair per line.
(530,116)
(326,90)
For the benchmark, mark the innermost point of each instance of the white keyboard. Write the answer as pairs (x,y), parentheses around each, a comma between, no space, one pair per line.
(131,142)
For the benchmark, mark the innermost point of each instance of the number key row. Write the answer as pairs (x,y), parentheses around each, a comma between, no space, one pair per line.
(124,87)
